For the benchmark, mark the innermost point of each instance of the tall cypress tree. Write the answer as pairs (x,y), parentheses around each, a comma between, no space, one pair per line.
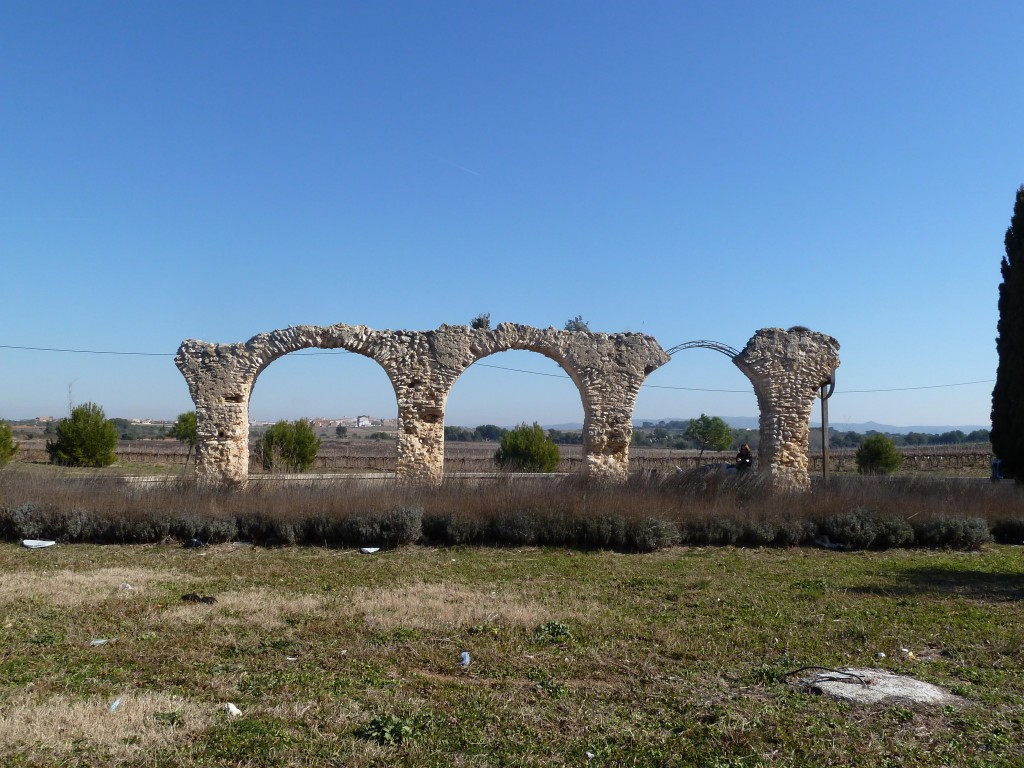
(1008,393)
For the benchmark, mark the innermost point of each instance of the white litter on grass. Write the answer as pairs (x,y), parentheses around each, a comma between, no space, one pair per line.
(464,659)
(116,704)
(101,641)
(873,686)
(369,550)
(232,710)
(126,587)
(37,543)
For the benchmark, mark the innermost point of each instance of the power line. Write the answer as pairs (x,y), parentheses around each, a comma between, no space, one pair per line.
(697,389)
(908,389)
(514,370)
(89,351)
(520,370)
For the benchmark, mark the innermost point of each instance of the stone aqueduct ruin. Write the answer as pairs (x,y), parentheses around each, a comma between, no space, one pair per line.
(786,368)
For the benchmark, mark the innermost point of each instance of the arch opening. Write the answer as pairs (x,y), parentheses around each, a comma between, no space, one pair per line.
(667,402)
(543,390)
(348,399)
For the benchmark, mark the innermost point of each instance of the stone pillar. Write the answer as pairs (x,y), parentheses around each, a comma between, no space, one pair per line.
(609,370)
(421,441)
(220,379)
(787,369)
(608,423)
(222,442)
(419,363)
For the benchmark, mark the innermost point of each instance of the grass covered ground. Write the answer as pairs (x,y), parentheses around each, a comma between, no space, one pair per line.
(676,657)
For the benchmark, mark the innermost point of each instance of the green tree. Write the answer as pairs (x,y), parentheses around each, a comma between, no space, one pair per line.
(878,455)
(979,436)
(1008,393)
(710,432)
(527,449)
(341,430)
(184,430)
(458,434)
(7,445)
(291,447)
(577,324)
(489,433)
(85,439)
(481,322)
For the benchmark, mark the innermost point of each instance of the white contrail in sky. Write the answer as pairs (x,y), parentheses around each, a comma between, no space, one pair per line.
(460,167)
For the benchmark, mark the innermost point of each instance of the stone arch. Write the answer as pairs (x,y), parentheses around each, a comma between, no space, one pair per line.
(555,346)
(221,378)
(422,367)
(571,373)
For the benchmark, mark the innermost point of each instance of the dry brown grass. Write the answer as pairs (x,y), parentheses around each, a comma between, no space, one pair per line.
(445,606)
(72,589)
(260,608)
(144,720)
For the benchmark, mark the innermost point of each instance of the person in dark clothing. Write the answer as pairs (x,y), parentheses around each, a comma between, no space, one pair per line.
(744,459)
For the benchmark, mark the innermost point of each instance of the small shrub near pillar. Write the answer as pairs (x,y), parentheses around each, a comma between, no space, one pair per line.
(527,449)
(878,455)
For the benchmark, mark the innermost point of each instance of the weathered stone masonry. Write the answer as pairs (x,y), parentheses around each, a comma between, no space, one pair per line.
(785,367)
(608,370)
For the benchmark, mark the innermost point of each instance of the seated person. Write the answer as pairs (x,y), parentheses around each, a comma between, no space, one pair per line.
(744,459)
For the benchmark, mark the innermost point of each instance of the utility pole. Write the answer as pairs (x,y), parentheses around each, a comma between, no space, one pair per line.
(827,387)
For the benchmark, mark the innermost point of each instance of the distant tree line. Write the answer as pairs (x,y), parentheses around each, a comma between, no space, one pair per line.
(490,433)
(955,437)
(131,430)
(691,435)
(674,434)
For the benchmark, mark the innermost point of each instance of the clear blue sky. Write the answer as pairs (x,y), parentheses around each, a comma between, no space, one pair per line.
(692,170)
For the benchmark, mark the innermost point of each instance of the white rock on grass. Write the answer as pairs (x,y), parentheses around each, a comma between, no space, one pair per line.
(881,687)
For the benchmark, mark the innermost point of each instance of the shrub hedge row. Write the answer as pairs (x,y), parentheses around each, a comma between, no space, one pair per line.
(855,530)
(645,514)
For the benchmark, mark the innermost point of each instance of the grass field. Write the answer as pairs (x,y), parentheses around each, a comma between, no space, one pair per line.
(361,455)
(577,658)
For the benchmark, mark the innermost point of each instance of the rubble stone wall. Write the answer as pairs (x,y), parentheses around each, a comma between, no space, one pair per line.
(608,370)
(787,369)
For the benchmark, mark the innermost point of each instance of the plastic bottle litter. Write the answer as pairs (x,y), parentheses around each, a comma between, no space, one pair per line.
(100,641)
(369,550)
(232,710)
(126,587)
(464,659)
(37,543)
(116,704)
